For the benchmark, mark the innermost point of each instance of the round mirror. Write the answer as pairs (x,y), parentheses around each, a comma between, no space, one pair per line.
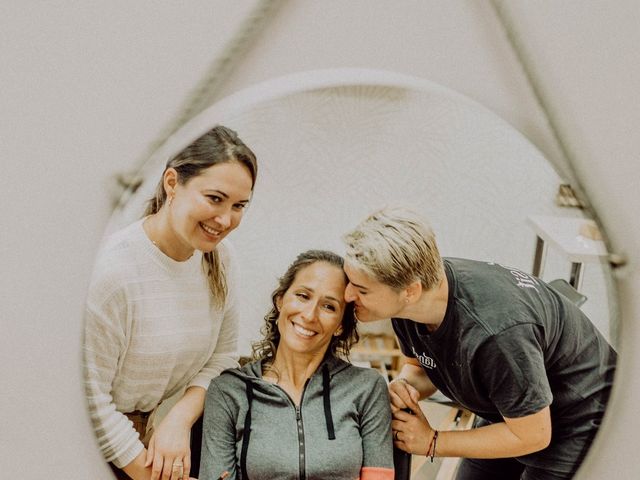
(333,145)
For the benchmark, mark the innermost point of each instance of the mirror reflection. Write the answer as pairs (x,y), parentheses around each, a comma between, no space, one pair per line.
(327,157)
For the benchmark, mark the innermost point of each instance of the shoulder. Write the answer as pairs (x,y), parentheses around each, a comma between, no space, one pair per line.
(116,257)
(234,379)
(362,378)
(120,249)
(227,252)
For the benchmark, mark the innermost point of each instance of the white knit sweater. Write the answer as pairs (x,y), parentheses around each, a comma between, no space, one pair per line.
(151,329)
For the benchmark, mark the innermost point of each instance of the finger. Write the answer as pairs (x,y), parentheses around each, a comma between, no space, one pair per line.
(397,425)
(177,470)
(396,400)
(402,415)
(414,406)
(150,452)
(156,468)
(167,469)
(187,466)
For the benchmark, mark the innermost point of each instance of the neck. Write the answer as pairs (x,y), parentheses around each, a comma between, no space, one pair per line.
(292,369)
(159,230)
(431,307)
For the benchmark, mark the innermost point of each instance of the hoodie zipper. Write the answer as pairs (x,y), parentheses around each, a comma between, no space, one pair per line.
(300,428)
(301,445)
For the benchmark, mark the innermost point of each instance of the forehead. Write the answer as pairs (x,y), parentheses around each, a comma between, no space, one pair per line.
(359,277)
(321,276)
(226,174)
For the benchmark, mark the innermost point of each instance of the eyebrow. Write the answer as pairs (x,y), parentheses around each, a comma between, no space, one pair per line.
(359,286)
(222,194)
(328,297)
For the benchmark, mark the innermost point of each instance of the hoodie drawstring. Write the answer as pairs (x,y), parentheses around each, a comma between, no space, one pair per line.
(247,432)
(327,402)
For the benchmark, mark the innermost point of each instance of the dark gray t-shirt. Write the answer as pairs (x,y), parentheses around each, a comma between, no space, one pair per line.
(510,345)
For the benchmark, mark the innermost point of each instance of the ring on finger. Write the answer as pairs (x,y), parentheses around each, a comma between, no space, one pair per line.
(178,468)
(395,435)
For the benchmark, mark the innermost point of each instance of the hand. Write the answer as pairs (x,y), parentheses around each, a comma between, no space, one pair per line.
(412,431)
(402,395)
(169,454)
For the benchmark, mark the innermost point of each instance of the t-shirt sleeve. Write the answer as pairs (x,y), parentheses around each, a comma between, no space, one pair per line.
(375,428)
(403,339)
(511,367)
(218,435)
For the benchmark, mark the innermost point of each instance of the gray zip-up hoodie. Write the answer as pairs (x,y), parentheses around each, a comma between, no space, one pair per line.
(340,430)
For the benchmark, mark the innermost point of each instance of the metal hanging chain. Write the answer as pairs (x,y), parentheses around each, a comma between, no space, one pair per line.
(126,183)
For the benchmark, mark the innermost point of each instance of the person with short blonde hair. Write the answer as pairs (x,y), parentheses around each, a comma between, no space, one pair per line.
(496,340)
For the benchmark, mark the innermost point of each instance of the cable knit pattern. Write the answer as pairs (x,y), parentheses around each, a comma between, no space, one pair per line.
(151,329)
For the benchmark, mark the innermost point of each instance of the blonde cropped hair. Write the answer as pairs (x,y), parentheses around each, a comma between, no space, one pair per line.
(396,246)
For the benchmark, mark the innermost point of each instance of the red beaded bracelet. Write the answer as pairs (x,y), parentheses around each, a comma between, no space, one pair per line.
(431,452)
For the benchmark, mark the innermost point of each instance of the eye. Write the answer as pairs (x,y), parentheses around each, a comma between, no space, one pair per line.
(239,206)
(361,292)
(330,307)
(214,198)
(302,295)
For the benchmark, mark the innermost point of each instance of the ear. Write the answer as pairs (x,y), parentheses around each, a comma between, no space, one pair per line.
(338,332)
(279,302)
(413,291)
(170,181)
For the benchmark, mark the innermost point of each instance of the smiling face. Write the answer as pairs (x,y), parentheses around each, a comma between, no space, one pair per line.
(372,299)
(207,207)
(311,310)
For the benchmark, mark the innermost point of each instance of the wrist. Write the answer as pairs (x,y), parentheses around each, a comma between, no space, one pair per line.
(402,380)
(431,448)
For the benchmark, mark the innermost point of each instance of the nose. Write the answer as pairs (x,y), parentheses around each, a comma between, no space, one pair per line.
(224,219)
(350,293)
(309,311)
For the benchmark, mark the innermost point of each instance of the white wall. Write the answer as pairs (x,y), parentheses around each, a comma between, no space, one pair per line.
(86,87)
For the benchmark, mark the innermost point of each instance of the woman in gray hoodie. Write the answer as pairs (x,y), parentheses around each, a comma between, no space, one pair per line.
(299,411)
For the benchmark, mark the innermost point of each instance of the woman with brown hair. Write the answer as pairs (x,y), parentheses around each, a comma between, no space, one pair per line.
(160,313)
(300,410)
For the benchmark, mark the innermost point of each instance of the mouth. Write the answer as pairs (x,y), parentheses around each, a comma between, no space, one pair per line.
(212,232)
(303,331)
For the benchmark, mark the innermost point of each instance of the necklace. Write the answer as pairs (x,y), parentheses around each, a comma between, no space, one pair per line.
(148,230)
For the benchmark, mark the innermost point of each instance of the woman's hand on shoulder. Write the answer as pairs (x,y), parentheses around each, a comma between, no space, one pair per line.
(169,453)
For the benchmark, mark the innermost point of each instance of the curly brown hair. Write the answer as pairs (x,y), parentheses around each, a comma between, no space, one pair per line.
(340,345)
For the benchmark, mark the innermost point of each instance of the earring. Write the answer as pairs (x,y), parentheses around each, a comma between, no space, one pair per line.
(169,201)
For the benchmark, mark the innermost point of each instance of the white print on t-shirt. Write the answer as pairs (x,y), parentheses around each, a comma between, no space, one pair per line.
(524,280)
(424,360)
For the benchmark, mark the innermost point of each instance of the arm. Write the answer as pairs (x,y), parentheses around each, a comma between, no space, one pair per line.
(511,368)
(218,436)
(411,384)
(511,438)
(170,441)
(375,428)
(103,343)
